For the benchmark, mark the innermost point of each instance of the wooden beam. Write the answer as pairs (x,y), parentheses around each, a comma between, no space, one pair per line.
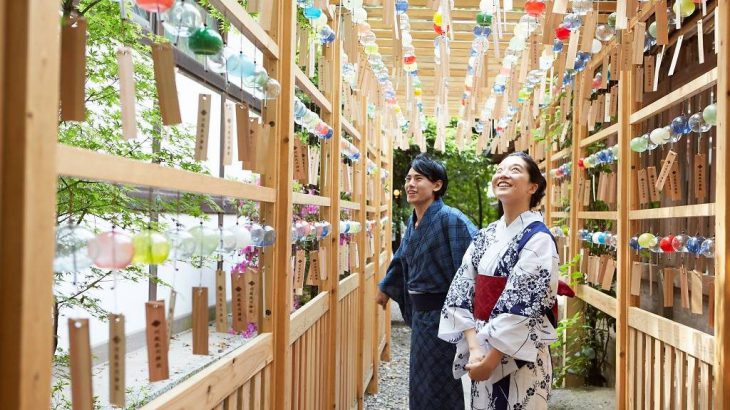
(601,301)
(246,25)
(600,135)
(691,341)
(304,318)
(722,198)
(30,46)
(97,166)
(306,85)
(307,199)
(684,211)
(348,285)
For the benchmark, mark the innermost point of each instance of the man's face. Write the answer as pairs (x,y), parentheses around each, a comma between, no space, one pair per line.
(419,189)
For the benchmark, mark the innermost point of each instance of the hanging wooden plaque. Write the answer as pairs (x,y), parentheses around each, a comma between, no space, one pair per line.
(73,69)
(675,56)
(638,46)
(651,182)
(314,268)
(589,29)
(602,186)
(117,354)
(643,187)
(254,135)
(700,176)
(636,271)
(648,73)
(251,283)
(303,35)
(354,255)
(621,16)
(80,363)
(587,193)
(638,91)
(696,291)
(700,42)
(266,14)
(584,260)
(608,274)
(675,191)
(202,129)
(662,23)
(221,304)
(228,114)
(200,320)
(684,287)
(127,96)
(156,330)
(171,315)
(666,168)
(300,153)
(602,264)
(164,66)
(245,144)
(711,302)
(657,67)
(612,187)
(238,304)
(299,266)
(560,6)
(668,287)
(323,263)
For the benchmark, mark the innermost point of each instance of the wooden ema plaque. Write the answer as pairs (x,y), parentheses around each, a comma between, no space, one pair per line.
(299,271)
(652,177)
(313,275)
(80,363)
(246,146)
(608,273)
(221,305)
(73,69)
(300,161)
(666,169)
(117,353)
(668,287)
(228,114)
(203,127)
(696,292)
(200,320)
(251,280)
(700,176)
(171,314)
(684,287)
(636,271)
(238,304)
(127,97)
(164,65)
(156,330)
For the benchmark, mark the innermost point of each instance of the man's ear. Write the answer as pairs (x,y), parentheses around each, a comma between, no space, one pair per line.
(438,185)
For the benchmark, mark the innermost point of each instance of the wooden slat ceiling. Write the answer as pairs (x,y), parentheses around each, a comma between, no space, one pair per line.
(463,22)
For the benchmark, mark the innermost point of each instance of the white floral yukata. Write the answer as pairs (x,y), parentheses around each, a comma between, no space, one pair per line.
(519,325)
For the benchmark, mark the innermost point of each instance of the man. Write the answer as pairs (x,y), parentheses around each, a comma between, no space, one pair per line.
(418,279)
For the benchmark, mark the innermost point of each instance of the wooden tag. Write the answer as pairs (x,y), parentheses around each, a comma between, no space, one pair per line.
(586,193)
(252,289)
(80,363)
(627,53)
(621,17)
(675,56)
(202,129)
(171,315)
(652,177)
(354,255)
(700,42)
(584,260)
(675,191)
(238,298)
(668,291)
(73,69)
(657,67)
(638,91)
(636,271)
(613,56)
(227,148)
(638,46)
(221,305)
(643,187)
(666,168)
(323,263)
(684,287)
(246,147)
(607,107)
(602,187)
(572,49)
(299,265)
(711,302)
(560,6)
(589,29)
(200,320)
(156,330)
(117,354)
(264,147)
(648,73)
(608,274)
(614,101)
(164,65)
(303,47)
(662,24)
(602,264)
(314,268)
(604,73)
(127,96)
(265,11)
(612,188)
(300,151)
(700,176)
(696,290)
(313,160)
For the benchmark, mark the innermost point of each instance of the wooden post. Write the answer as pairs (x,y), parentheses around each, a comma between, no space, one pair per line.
(363,147)
(722,199)
(29,75)
(388,244)
(623,251)
(279,173)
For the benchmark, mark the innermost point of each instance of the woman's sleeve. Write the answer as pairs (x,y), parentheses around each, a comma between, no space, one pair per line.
(457,313)
(518,326)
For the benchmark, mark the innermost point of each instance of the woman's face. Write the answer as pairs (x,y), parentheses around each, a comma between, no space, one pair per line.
(511,182)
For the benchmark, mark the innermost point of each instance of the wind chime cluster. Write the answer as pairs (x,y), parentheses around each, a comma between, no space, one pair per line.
(183,20)
(603,157)
(310,121)
(696,245)
(318,20)
(698,122)
(598,238)
(415,117)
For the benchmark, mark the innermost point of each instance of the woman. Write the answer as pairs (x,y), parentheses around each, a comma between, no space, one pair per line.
(499,307)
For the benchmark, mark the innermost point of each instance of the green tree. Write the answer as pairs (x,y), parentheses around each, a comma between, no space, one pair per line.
(470,174)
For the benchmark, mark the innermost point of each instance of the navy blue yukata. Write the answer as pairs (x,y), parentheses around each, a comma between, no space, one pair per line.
(418,279)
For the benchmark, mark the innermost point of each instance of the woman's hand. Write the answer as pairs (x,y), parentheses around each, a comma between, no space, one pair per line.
(476,354)
(482,370)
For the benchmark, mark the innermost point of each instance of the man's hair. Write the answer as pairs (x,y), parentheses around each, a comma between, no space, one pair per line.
(432,170)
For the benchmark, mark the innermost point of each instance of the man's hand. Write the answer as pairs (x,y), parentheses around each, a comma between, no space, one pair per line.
(381,298)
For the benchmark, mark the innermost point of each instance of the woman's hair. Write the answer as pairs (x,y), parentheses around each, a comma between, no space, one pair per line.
(536,177)
(432,170)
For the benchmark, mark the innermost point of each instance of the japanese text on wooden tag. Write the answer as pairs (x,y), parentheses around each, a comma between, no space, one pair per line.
(666,168)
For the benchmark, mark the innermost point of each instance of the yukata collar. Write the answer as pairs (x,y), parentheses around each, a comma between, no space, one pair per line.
(435,206)
(520,222)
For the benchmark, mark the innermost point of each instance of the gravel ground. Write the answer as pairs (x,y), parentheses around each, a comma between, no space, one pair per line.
(393,392)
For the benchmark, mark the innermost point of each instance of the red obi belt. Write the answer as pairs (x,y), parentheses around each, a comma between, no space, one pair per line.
(490,288)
